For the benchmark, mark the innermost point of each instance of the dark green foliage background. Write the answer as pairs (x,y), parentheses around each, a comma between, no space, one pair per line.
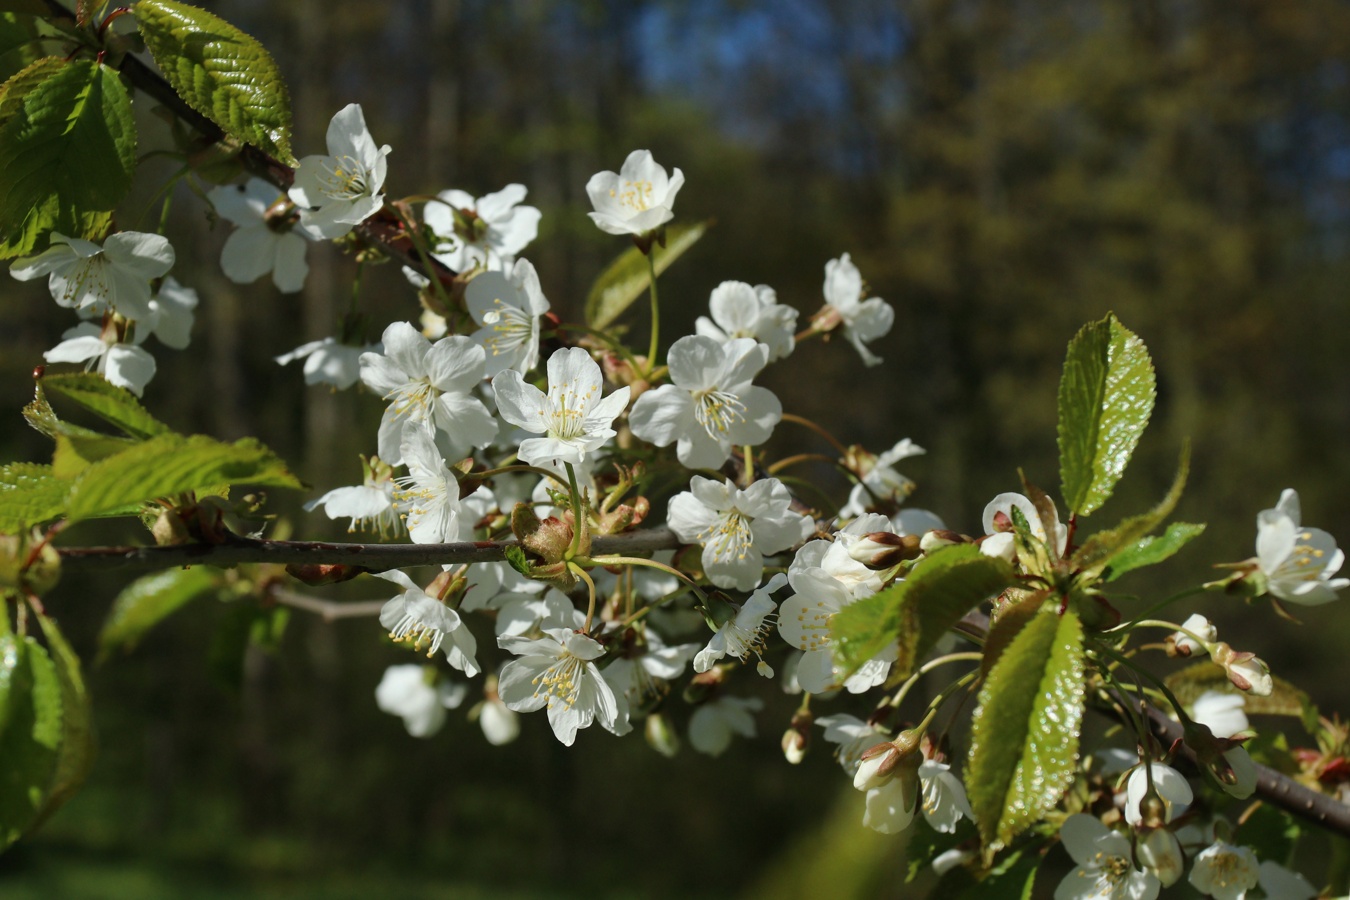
(1001,173)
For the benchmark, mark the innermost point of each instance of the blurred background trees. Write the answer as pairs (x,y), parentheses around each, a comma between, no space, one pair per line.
(1002,172)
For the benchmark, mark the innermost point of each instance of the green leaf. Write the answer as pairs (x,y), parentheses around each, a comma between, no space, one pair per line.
(76,754)
(919,610)
(1105,399)
(1014,878)
(1150,551)
(516,558)
(29,495)
(1285,699)
(66,155)
(31,694)
(147,601)
(115,405)
(172,464)
(28,76)
(1102,549)
(221,72)
(1024,733)
(627,277)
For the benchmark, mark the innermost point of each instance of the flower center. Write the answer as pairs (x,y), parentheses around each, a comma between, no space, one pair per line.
(413,630)
(566,415)
(511,327)
(561,682)
(636,195)
(729,537)
(413,400)
(89,276)
(344,179)
(717,411)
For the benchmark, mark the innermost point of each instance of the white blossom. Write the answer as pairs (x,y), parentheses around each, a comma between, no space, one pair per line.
(405,691)
(997,522)
(1279,883)
(710,406)
(266,239)
(804,622)
(1298,562)
(646,672)
(852,735)
(1225,871)
(558,671)
(863,320)
(94,279)
(341,189)
(713,724)
(126,365)
(329,361)
(1170,785)
(890,808)
(1199,626)
(881,483)
(428,386)
(488,231)
(574,419)
(944,797)
(736,527)
(499,722)
(1244,773)
(1105,864)
(742,636)
(637,199)
(1222,712)
(1160,854)
(369,504)
(172,311)
(741,311)
(430,493)
(507,306)
(417,618)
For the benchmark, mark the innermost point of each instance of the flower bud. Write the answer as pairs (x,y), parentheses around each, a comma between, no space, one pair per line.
(661,735)
(884,549)
(880,761)
(939,538)
(945,862)
(1182,644)
(1245,670)
(797,738)
(1160,853)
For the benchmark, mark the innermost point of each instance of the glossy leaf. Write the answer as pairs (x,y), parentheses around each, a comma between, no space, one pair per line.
(915,612)
(76,754)
(31,733)
(172,464)
(147,601)
(27,77)
(627,277)
(1024,732)
(1106,396)
(66,155)
(115,405)
(221,72)
(29,495)
(1150,551)
(1102,549)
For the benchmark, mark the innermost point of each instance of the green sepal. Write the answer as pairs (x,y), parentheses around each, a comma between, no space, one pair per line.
(149,600)
(1106,396)
(915,612)
(627,277)
(221,72)
(1024,732)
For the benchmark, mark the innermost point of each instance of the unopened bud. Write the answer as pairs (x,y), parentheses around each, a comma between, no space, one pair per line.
(661,735)
(1160,853)
(939,538)
(884,549)
(1245,670)
(880,761)
(946,861)
(797,738)
(1182,644)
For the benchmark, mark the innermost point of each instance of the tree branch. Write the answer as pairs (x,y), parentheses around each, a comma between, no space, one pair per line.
(376,557)
(328,610)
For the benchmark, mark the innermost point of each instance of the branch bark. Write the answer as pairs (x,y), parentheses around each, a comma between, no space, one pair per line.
(375,557)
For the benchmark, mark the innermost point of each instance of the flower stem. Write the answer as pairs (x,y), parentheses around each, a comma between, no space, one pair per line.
(929,666)
(807,423)
(1189,592)
(577,524)
(1157,682)
(651,564)
(414,237)
(655,343)
(590,585)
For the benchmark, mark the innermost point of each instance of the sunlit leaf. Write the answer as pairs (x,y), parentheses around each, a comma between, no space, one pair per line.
(221,72)
(30,733)
(1150,551)
(1024,732)
(627,277)
(1101,550)
(76,754)
(1106,396)
(29,495)
(115,405)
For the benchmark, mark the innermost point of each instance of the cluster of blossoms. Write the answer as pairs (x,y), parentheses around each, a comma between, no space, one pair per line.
(476,443)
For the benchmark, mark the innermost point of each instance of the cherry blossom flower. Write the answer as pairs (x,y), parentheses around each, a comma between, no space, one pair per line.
(713,724)
(1160,855)
(1298,562)
(637,199)
(94,279)
(341,189)
(881,483)
(741,311)
(500,724)
(329,361)
(1224,871)
(997,522)
(645,674)
(416,618)
(172,311)
(1170,785)
(413,693)
(1279,882)
(573,418)
(126,365)
(1222,712)
(710,406)
(944,797)
(267,238)
(488,231)
(370,504)
(1243,771)
(508,307)
(852,735)
(1105,864)
(804,622)
(737,528)
(558,671)
(428,386)
(1199,626)
(742,636)
(429,493)
(863,320)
